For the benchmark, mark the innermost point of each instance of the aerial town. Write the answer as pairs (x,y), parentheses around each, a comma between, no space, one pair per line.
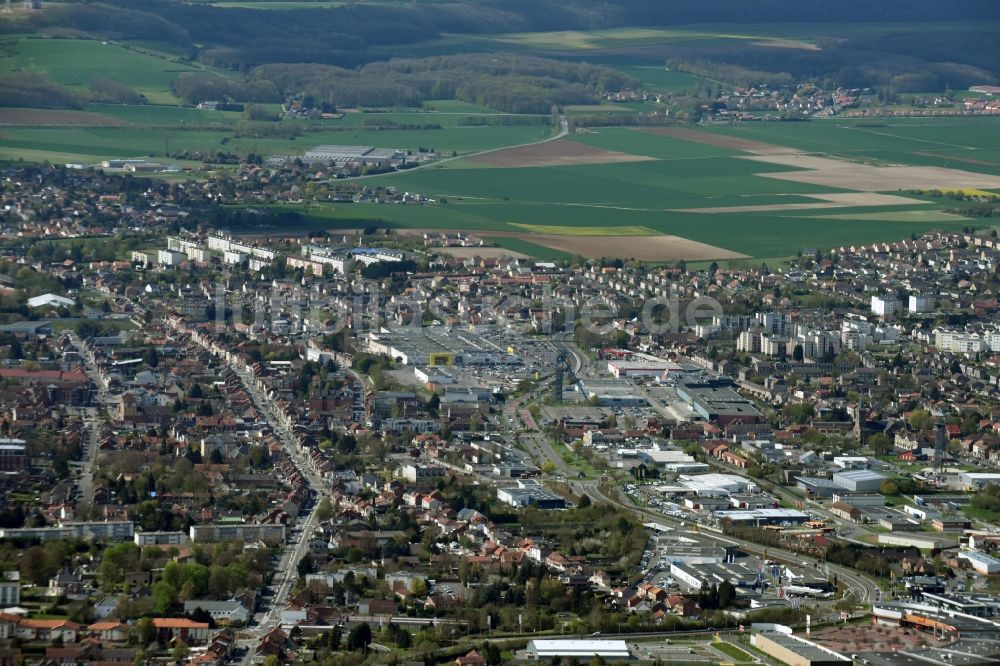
(225,442)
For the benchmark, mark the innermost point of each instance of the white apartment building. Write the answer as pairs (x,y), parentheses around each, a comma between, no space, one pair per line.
(886,306)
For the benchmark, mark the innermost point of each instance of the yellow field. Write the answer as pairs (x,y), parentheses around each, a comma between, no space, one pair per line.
(971,192)
(586,231)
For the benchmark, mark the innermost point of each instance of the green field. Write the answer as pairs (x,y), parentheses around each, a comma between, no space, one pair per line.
(970,143)
(72,144)
(618,199)
(75,62)
(613,38)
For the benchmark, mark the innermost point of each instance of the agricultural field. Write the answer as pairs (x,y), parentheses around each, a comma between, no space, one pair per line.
(81,144)
(612,39)
(75,62)
(705,193)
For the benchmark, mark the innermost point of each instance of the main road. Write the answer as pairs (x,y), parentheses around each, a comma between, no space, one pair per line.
(860,586)
(92,421)
(295,549)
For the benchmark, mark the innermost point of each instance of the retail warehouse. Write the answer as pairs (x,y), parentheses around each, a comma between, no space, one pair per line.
(796,651)
(578,649)
(432,346)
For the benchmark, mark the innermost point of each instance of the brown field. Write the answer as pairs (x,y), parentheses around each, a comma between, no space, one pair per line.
(719,140)
(49,117)
(846,175)
(484,252)
(650,248)
(554,153)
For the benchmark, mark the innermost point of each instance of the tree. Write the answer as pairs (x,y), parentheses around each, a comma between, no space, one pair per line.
(889,487)
(180,651)
(360,637)
(491,655)
(145,632)
(880,443)
(324,510)
(333,638)
(727,594)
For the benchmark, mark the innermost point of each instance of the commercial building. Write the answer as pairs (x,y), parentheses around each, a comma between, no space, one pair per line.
(435,346)
(248,532)
(977,480)
(693,576)
(530,492)
(861,480)
(716,400)
(981,562)
(348,154)
(622,369)
(717,484)
(761,517)
(859,499)
(610,393)
(921,540)
(685,551)
(796,651)
(578,649)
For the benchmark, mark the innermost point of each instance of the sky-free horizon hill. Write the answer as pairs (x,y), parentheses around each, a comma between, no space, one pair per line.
(361,32)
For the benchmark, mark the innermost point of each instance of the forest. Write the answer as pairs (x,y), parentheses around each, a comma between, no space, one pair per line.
(344,56)
(355,34)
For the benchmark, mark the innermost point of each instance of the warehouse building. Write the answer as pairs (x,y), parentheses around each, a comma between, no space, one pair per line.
(530,492)
(693,576)
(921,540)
(716,400)
(796,651)
(762,517)
(860,480)
(717,484)
(610,393)
(981,562)
(976,480)
(578,649)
